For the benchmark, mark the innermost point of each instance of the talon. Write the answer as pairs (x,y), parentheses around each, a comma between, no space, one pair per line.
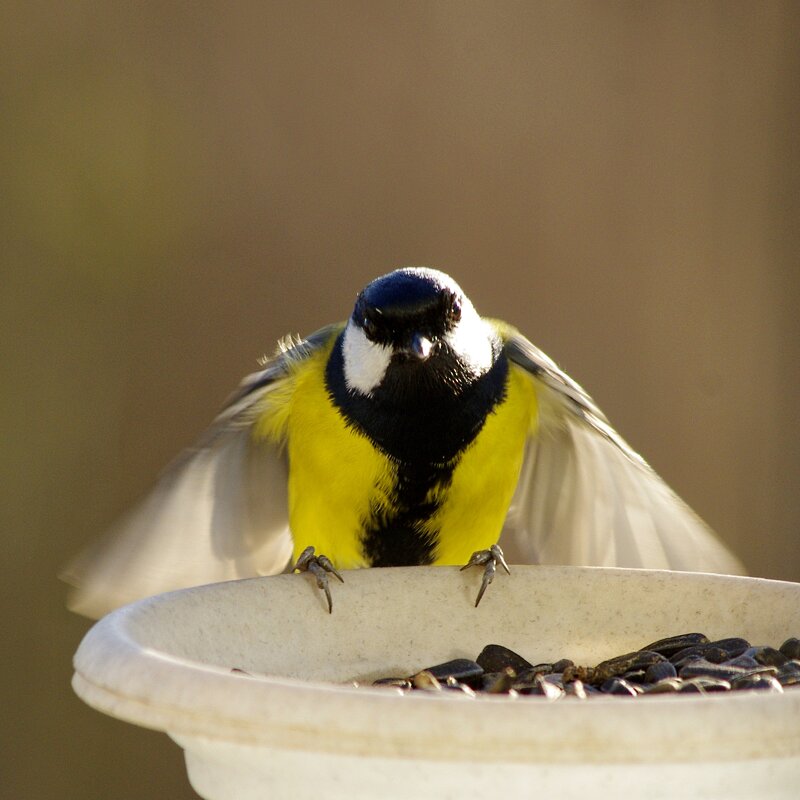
(327,565)
(488,559)
(488,576)
(497,552)
(320,567)
(301,565)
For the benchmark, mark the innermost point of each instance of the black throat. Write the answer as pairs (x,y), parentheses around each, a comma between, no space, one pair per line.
(423,415)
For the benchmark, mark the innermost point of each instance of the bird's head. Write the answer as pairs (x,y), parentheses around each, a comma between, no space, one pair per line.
(415,324)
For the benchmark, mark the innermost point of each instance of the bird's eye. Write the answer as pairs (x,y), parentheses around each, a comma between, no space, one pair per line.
(369,326)
(455,311)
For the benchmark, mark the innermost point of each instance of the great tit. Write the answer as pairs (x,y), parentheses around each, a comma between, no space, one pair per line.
(415,433)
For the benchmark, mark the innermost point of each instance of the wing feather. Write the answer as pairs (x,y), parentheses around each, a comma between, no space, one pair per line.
(218,512)
(585,497)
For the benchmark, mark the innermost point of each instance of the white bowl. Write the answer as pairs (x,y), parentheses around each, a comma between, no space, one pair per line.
(296,729)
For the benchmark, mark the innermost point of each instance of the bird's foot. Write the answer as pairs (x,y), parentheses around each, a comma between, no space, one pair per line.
(488,559)
(320,567)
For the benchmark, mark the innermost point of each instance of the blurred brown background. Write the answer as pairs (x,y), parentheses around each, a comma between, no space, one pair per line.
(184,183)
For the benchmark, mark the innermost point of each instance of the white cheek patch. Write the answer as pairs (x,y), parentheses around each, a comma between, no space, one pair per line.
(365,363)
(471,340)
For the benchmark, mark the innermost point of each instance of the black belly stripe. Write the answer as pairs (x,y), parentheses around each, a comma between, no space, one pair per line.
(398,536)
(423,417)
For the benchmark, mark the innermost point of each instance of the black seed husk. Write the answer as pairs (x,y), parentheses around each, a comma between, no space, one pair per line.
(496,657)
(687,663)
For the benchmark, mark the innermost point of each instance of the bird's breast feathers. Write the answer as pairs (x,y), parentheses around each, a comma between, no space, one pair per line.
(361,505)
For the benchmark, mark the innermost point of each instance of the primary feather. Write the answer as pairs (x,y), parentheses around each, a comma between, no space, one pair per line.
(218,512)
(585,497)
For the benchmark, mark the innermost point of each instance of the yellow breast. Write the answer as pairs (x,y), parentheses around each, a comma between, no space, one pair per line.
(335,473)
(337,477)
(474,508)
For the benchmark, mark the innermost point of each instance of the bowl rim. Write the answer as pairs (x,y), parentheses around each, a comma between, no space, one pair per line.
(115,674)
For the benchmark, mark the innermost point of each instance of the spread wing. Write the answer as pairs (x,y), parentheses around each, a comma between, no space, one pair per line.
(585,497)
(218,512)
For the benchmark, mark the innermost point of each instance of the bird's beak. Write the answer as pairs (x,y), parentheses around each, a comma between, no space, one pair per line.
(419,347)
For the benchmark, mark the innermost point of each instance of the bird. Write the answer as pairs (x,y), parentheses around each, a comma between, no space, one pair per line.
(414,433)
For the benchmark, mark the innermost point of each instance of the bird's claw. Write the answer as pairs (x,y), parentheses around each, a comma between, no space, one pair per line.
(488,559)
(320,567)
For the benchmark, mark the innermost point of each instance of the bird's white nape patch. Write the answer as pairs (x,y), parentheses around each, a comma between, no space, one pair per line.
(471,340)
(365,362)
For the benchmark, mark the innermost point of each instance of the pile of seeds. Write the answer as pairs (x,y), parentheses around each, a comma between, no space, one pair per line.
(685,663)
